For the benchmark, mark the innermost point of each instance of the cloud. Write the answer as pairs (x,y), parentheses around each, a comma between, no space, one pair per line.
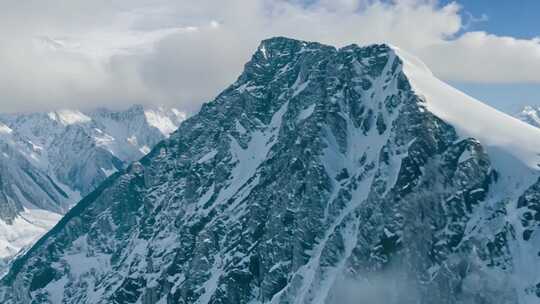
(485,58)
(115,53)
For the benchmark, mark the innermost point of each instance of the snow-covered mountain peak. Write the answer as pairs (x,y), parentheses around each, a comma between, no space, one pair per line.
(322,175)
(127,134)
(497,131)
(130,134)
(5,129)
(165,120)
(275,47)
(411,62)
(69,117)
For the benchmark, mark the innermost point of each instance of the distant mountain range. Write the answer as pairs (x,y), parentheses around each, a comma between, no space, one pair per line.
(48,161)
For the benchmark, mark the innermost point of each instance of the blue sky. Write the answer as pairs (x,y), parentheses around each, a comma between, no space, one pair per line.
(516,18)
(519,19)
(509,98)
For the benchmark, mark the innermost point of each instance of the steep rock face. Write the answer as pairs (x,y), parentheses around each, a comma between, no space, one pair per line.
(48,160)
(320,176)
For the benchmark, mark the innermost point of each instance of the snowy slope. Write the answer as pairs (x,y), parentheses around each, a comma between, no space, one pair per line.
(321,175)
(49,159)
(512,144)
(31,200)
(25,229)
(130,134)
(126,135)
(472,118)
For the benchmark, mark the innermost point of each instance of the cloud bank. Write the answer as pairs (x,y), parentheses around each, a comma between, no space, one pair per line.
(84,54)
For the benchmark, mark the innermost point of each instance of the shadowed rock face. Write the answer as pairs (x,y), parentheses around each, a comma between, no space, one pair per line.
(317,177)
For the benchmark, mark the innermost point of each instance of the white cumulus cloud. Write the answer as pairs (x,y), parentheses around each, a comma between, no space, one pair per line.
(113,53)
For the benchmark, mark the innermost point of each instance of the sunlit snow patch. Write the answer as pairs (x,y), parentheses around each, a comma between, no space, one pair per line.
(25,229)
(69,117)
(5,129)
(158,119)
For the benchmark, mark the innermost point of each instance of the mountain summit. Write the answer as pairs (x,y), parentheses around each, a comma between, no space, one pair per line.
(321,175)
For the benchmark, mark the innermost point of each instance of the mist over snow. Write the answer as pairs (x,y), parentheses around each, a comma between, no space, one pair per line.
(390,286)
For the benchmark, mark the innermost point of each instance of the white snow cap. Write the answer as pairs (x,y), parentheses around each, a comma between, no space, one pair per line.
(69,117)
(5,129)
(160,119)
(496,131)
